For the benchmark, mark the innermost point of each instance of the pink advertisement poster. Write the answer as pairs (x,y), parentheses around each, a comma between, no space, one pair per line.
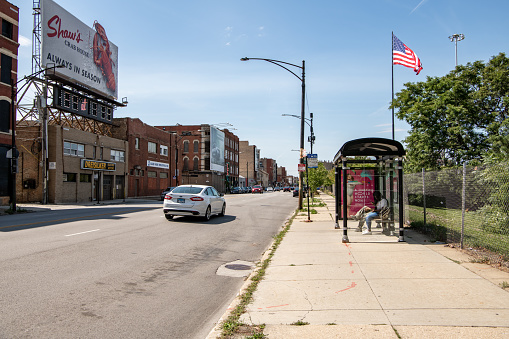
(360,188)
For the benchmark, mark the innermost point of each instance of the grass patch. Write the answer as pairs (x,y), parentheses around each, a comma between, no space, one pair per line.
(300,323)
(504,284)
(232,325)
(444,224)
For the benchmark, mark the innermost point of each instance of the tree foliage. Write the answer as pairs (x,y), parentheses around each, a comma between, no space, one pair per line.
(458,117)
(318,177)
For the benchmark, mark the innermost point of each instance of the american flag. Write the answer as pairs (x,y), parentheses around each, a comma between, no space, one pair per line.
(402,55)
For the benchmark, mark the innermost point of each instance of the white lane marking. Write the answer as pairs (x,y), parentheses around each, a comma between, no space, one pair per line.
(70,235)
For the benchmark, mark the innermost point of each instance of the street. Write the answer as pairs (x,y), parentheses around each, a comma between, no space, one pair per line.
(124,271)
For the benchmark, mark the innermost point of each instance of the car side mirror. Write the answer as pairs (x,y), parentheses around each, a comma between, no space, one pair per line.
(221,194)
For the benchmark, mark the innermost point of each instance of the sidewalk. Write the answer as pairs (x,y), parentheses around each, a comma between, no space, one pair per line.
(375,287)
(37,207)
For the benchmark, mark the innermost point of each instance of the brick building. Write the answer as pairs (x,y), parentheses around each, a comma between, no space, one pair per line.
(249,163)
(205,155)
(282,176)
(270,166)
(150,166)
(82,166)
(8,73)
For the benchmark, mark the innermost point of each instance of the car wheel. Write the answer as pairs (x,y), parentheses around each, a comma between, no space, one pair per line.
(222,211)
(207,214)
(168,216)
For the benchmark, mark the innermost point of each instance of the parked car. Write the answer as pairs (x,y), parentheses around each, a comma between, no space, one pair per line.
(286,189)
(270,189)
(235,190)
(277,189)
(296,192)
(257,189)
(194,200)
(166,191)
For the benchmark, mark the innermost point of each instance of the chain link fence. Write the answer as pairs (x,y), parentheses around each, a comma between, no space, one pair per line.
(466,207)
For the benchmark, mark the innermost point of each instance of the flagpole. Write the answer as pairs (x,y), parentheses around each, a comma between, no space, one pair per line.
(392,66)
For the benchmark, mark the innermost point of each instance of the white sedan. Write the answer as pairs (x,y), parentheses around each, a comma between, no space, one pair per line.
(194,200)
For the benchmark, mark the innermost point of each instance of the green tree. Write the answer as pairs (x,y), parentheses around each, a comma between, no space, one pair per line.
(318,177)
(455,118)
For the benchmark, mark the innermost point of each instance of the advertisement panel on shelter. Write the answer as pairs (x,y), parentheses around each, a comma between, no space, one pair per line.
(216,150)
(359,191)
(86,53)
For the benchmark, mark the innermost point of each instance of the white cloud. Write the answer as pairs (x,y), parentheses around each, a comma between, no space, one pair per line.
(24,41)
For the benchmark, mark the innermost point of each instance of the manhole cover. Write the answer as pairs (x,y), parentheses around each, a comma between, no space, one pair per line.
(238,267)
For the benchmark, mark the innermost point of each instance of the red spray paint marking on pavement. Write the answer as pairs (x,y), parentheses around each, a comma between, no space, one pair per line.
(261,308)
(346,289)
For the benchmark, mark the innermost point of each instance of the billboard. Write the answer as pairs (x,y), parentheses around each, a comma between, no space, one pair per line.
(216,150)
(88,57)
(360,188)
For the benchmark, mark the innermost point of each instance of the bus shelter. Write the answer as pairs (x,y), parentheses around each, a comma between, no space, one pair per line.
(363,166)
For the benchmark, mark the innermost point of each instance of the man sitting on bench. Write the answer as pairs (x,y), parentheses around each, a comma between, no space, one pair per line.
(368,214)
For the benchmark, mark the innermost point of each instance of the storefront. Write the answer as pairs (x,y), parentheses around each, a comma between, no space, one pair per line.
(81,166)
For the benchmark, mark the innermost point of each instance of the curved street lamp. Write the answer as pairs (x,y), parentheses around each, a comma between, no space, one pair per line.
(309,122)
(302,78)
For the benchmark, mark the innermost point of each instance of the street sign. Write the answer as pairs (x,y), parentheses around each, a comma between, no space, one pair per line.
(302,167)
(312,160)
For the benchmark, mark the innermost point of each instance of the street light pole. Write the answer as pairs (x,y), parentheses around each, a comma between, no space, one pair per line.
(302,78)
(311,138)
(455,38)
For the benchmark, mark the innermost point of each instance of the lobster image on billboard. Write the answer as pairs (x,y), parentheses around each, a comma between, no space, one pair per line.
(88,57)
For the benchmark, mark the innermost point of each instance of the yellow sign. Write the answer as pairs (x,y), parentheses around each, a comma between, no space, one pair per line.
(97,165)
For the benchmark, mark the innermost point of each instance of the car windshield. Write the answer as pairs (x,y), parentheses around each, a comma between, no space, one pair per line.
(187,190)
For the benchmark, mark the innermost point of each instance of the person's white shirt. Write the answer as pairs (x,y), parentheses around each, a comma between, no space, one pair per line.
(381,204)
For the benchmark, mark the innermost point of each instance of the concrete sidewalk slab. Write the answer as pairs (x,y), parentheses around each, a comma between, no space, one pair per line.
(374,286)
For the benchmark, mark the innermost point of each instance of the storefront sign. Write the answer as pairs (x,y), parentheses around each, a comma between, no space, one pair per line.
(157,164)
(97,165)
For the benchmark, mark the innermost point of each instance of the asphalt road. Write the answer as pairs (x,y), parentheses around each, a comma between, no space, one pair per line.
(124,271)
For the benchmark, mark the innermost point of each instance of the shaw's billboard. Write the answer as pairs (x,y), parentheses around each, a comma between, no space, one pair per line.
(90,59)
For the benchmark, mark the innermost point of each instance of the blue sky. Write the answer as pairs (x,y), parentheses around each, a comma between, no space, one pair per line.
(179,61)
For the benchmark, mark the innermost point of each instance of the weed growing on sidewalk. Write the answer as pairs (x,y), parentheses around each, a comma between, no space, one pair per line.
(300,323)
(504,284)
(232,326)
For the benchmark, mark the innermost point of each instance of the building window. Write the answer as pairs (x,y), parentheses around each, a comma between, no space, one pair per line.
(196,164)
(71,148)
(151,174)
(137,143)
(7,29)
(186,146)
(196,145)
(85,177)
(152,147)
(163,175)
(117,156)
(163,150)
(186,164)
(5,116)
(69,177)
(5,72)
